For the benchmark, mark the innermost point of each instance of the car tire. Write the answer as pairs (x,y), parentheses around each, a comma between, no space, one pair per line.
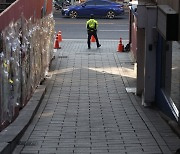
(73,14)
(110,14)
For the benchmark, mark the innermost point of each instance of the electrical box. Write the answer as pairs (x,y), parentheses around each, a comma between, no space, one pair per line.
(167,22)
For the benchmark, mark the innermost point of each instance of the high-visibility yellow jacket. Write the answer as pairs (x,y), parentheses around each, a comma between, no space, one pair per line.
(91,25)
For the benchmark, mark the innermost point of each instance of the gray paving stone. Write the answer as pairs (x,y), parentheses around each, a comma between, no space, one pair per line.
(65,150)
(88,110)
(29,152)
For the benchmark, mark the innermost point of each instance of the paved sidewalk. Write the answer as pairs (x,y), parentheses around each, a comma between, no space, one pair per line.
(88,109)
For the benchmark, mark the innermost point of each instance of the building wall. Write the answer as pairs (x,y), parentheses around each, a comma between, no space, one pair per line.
(167,63)
(175,4)
(28,9)
(26,45)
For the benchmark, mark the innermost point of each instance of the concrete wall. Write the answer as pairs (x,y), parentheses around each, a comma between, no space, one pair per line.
(26,45)
(166,71)
(175,4)
(30,8)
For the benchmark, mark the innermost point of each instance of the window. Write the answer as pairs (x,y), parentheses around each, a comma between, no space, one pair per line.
(102,3)
(90,3)
(175,78)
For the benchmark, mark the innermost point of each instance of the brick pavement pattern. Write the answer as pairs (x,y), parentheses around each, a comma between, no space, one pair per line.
(87,110)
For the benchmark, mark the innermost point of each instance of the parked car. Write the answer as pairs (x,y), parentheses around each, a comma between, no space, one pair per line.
(99,8)
(60,4)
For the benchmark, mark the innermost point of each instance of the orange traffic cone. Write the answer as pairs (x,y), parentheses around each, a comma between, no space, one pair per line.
(59,32)
(120,46)
(56,43)
(59,36)
(93,39)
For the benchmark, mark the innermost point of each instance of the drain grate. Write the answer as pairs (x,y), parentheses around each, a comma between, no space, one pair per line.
(28,143)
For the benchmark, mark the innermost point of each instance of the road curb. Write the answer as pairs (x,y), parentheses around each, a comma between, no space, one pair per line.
(11,135)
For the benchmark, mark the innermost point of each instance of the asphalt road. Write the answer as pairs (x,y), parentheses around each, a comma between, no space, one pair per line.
(110,29)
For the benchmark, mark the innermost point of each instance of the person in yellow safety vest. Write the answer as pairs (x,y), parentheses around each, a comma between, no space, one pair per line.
(91,26)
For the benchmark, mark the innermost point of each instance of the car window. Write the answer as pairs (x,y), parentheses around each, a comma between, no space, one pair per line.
(90,3)
(102,3)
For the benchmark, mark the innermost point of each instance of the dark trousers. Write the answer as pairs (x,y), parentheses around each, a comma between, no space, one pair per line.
(94,33)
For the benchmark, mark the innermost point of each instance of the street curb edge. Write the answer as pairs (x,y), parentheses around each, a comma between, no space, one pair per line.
(11,135)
